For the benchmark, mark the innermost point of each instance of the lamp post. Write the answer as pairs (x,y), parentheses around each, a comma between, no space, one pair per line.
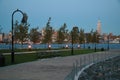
(24,20)
(84,40)
(108,41)
(95,41)
(72,43)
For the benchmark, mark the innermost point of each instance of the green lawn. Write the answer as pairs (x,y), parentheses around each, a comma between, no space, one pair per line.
(18,50)
(21,58)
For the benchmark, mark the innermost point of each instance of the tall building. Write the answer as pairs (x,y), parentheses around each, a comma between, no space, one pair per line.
(99,27)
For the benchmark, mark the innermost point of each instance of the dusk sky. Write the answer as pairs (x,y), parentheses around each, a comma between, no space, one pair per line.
(82,13)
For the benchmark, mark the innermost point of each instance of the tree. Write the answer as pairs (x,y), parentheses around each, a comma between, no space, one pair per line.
(16,31)
(21,32)
(34,35)
(119,38)
(89,37)
(95,37)
(82,36)
(75,34)
(0,29)
(62,33)
(48,32)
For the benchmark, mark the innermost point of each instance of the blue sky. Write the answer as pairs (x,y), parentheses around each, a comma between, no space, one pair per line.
(81,13)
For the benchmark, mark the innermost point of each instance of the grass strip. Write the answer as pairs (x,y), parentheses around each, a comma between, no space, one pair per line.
(21,58)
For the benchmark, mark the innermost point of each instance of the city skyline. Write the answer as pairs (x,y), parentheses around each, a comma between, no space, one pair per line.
(81,13)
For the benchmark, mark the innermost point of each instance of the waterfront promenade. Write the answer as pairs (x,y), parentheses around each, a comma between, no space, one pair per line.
(47,69)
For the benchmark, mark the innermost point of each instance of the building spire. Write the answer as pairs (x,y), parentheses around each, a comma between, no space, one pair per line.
(99,27)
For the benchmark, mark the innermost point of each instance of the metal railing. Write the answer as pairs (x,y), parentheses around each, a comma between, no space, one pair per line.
(81,69)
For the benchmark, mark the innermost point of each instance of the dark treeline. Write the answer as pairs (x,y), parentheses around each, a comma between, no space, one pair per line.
(48,35)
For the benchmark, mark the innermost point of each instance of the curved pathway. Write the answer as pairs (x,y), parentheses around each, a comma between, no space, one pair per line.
(45,69)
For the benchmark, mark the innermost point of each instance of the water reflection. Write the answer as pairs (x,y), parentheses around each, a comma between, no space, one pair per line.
(56,46)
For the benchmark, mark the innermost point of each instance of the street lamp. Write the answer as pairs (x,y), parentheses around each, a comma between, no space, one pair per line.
(24,20)
(95,42)
(108,41)
(84,40)
(72,43)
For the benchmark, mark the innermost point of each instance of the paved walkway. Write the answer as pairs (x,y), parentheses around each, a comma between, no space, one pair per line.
(45,69)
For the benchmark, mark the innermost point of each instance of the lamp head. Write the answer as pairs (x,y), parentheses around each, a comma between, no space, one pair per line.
(24,19)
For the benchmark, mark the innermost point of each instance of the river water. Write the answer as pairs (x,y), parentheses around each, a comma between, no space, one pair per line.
(55,46)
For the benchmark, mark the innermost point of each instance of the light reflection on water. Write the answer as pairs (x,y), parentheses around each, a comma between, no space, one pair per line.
(45,46)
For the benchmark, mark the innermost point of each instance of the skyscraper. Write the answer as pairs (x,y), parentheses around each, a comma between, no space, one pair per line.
(99,27)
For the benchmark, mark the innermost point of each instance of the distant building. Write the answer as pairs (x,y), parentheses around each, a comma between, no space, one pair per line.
(1,38)
(116,40)
(4,38)
(99,27)
(42,34)
(54,36)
